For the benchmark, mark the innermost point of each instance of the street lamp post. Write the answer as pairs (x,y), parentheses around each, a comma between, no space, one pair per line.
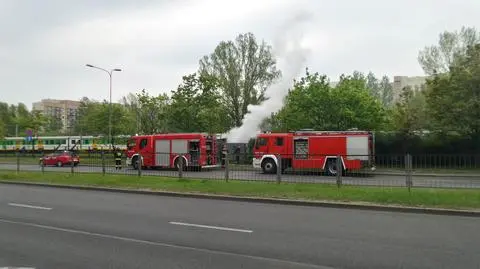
(109,72)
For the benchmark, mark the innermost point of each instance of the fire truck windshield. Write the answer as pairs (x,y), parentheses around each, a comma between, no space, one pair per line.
(130,144)
(261,141)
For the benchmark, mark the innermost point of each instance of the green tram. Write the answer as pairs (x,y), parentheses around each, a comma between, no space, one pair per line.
(53,143)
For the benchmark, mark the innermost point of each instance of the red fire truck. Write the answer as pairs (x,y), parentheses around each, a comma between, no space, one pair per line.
(199,150)
(308,149)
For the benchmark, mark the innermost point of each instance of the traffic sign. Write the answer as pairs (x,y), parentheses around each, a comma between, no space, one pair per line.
(29,133)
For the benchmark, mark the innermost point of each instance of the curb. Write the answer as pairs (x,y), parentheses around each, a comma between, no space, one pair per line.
(386,173)
(328,204)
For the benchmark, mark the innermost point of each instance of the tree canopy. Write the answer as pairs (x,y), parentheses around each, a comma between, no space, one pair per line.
(243,69)
(312,103)
(452,45)
(454,98)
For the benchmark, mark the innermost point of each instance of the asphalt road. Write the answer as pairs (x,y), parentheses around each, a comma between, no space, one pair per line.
(58,228)
(219,174)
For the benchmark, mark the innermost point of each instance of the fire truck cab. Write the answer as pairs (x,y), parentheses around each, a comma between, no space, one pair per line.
(197,150)
(308,149)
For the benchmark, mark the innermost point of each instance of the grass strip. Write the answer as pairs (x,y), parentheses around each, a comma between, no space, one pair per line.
(420,197)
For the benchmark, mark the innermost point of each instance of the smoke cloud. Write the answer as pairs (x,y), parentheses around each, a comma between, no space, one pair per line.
(291,58)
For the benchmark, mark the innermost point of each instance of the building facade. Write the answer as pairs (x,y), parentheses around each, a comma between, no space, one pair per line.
(400,82)
(63,110)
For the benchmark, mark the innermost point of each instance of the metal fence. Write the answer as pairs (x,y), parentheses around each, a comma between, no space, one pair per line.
(438,171)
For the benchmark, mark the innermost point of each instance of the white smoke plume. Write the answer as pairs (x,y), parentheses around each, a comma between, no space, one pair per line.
(291,58)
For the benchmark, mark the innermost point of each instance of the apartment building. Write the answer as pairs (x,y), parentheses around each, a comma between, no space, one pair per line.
(400,82)
(64,110)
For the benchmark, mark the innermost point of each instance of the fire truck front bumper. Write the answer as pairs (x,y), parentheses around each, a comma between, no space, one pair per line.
(367,165)
(257,163)
(128,162)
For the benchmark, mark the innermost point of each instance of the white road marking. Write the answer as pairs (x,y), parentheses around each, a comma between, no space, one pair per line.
(10,267)
(30,206)
(158,244)
(211,227)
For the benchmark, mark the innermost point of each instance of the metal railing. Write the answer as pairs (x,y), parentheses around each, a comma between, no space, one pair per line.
(402,170)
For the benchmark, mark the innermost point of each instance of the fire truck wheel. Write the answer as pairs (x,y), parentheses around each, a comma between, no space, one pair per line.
(331,167)
(134,163)
(177,163)
(269,166)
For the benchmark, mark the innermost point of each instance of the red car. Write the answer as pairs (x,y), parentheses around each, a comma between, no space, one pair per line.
(60,159)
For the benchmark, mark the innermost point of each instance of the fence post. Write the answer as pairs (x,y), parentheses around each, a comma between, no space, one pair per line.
(408,171)
(139,165)
(103,162)
(180,166)
(18,162)
(71,166)
(43,163)
(227,169)
(339,171)
(279,169)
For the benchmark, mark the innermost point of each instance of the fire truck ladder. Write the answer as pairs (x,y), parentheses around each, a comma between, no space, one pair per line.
(310,132)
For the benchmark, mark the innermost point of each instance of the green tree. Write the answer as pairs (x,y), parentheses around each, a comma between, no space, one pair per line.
(451,46)
(3,129)
(373,84)
(15,118)
(6,119)
(93,118)
(243,69)
(130,102)
(382,89)
(213,114)
(88,121)
(154,113)
(410,113)
(196,107)
(386,91)
(185,106)
(121,122)
(23,118)
(312,103)
(53,125)
(454,98)
(38,122)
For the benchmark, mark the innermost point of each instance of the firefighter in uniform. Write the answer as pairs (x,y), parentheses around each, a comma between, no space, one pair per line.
(237,154)
(118,159)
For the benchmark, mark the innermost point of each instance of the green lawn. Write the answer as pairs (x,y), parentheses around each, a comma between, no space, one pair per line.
(446,198)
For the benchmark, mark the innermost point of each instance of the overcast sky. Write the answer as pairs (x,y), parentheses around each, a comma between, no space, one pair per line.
(45,44)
